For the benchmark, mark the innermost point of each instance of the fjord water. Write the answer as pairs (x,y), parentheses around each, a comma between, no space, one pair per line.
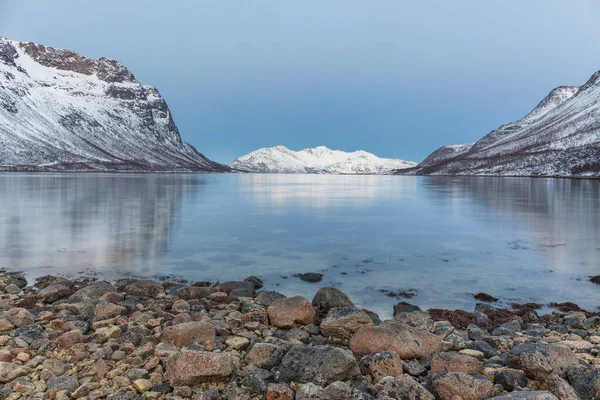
(443,238)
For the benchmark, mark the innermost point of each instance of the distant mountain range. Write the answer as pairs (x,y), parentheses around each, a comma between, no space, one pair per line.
(318,160)
(559,137)
(60,110)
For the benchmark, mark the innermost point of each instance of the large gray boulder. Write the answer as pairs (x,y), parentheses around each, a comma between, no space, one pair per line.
(319,364)
(538,360)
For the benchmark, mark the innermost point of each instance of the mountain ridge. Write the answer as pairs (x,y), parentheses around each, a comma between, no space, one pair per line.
(559,137)
(62,111)
(317,160)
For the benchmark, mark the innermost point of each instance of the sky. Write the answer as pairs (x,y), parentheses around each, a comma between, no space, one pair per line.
(396,78)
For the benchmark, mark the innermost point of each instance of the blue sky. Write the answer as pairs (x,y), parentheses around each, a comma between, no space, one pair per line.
(397,78)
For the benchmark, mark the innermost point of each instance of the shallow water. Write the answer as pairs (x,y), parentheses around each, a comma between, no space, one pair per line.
(445,238)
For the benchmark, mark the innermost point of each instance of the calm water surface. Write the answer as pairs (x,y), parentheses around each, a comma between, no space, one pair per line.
(445,238)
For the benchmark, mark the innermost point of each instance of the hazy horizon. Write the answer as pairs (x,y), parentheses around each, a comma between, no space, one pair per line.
(397,80)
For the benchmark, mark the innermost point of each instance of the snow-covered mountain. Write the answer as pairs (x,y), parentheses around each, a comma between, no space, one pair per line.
(60,110)
(559,137)
(319,160)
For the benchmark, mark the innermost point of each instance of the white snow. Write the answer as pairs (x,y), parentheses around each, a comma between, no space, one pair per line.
(51,116)
(280,159)
(559,137)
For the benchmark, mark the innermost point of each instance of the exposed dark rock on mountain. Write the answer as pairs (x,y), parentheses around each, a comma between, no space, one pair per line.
(60,110)
(559,137)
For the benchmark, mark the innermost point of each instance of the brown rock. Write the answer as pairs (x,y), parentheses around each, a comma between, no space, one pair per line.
(264,355)
(458,385)
(402,387)
(180,306)
(408,342)
(188,333)
(343,322)
(279,391)
(68,339)
(194,367)
(455,362)
(18,317)
(109,310)
(382,364)
(144,288)
(291,312)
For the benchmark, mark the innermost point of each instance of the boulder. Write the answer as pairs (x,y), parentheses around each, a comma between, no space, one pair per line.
(64,382)
(561,388)
(109,310)
(335,391)
(510,379)
(402,387)
(189,333)
(417,319)
(256,379)
(144,288)
(267,297)
(291,312)
(195,367)
(265,355)
(408,342)
(328,298)
(180,306)
(455,362)
(382,364)
(318,364)
(12,278)
(539,360)
(237,289)
(93,291)
(279,391)
(453,385)
(68,339)
(344,322)
(585,379)
(57,290)
(18,317)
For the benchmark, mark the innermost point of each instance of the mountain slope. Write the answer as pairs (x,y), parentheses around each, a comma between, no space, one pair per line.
(559,137)
(60,110)
(319,160)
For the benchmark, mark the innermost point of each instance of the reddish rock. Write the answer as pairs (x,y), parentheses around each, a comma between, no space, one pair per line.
(343,322)
(180,306)
(455,362)
(279,391)
(458,385)
(195,367)
(109,310)
(68,339)
(291,312)
(264,355)
(408,342)
(380,365)
(144,288)
(18,317)
(189,333)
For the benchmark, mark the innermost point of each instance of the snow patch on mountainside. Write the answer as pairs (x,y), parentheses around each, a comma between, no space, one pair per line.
(60,110)
(318,160)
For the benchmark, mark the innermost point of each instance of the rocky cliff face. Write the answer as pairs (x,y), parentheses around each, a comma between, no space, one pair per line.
(60,110)
(559,137)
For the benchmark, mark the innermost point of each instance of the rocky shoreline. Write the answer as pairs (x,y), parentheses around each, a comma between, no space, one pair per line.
(139,338)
